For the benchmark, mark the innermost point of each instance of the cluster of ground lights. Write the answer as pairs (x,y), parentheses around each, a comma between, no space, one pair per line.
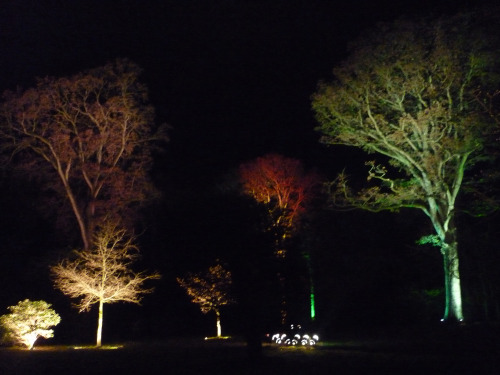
(295,338)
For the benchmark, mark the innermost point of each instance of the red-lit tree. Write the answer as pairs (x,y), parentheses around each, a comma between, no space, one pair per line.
(88,138)
(286,189)
(282,185)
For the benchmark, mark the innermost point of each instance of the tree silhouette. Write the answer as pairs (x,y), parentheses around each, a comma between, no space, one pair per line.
(103,273)
(407,94)
(88,138)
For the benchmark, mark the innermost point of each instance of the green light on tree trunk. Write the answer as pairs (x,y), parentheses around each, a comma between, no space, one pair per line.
(313,309)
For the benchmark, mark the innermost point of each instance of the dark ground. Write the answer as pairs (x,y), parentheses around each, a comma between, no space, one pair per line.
(467,350)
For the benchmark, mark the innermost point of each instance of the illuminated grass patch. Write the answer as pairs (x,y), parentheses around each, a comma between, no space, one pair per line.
(93,347)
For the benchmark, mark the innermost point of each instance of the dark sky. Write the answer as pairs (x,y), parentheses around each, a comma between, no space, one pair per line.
(232,77)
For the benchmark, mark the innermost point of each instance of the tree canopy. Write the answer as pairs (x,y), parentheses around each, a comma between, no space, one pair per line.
(282,185)
(88,138)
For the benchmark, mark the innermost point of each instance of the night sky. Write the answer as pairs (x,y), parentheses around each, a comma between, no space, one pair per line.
(233,79)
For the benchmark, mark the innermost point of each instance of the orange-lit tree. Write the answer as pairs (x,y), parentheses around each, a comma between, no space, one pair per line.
(286,189)
(103,273)
(88,138)
(210,290)
(407,93)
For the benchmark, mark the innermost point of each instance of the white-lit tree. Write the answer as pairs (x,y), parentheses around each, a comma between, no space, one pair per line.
(103,273)
(28,321)
(210,290)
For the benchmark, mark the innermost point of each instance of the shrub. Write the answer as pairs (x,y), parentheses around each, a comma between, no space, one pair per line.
(28,321)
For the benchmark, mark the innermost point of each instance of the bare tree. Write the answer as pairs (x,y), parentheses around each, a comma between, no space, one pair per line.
(103,274)
(88,138)
(210,290)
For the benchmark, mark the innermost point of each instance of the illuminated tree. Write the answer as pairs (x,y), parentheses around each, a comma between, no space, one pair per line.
(88,138)
(103,273)
(28,321)
(282,185)
(407,94)
(210,290)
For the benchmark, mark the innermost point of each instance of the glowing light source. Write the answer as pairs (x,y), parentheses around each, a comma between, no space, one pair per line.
(304,340)
(313,309)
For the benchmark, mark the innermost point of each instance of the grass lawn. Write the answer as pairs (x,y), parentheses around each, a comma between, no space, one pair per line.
(427,353)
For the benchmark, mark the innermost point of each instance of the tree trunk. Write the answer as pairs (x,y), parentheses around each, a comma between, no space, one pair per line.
(76,210)
(453,293)
(219,328)
(99,324)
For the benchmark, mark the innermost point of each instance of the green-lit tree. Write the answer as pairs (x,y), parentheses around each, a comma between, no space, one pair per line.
(407,93)
(28,321)
(103,274)
(210,290)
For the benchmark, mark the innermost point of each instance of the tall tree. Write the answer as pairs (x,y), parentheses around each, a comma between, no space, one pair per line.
(210,290)
(103,274)
(88,137)
(407,94)
(283,186)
